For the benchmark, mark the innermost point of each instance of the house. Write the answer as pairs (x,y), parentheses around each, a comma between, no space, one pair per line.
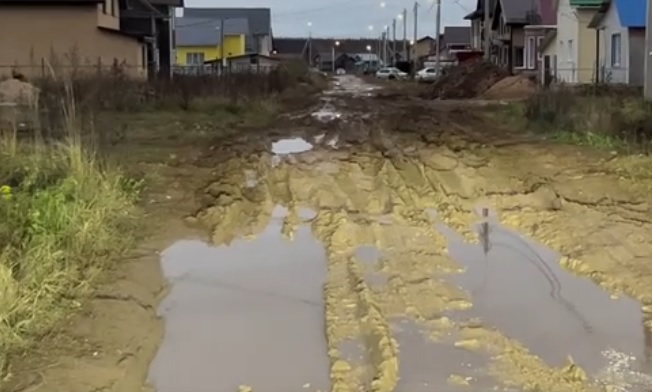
(154,20)
(319,51)
(508,33)
(259,38)
(421,49)
(477,23)
(453,40)
(541,20)
(574,42)
(200,40)
(38,37)
(620,31)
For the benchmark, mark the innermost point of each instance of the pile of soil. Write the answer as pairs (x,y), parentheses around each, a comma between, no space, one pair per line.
(466,81)
(511,87)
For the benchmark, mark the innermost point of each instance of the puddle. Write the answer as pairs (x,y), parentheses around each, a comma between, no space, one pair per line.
(426,366)
(290,146)
(250,314)
(519,287)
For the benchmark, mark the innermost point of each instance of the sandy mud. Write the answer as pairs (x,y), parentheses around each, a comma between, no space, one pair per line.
(374,245)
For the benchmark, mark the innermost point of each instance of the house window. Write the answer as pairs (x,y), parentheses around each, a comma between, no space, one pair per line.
(195,58)
(531,52)
(570,50)
(616,48)
(112,7)
(104,6)
(519,57)
(539,48)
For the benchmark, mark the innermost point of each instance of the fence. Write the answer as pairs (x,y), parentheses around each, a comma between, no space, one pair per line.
(605,75)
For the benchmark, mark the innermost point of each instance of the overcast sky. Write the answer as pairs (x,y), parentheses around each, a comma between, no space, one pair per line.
(348,18)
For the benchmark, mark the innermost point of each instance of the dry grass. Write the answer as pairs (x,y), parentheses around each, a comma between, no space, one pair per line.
(598,117)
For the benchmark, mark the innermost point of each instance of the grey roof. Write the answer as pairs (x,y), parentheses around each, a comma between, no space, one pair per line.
(206,32)
(260,19)
(515,11)
(457,35)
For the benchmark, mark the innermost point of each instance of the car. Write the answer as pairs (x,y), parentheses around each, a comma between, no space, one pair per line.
(391,73)
(340,71)
(427,74)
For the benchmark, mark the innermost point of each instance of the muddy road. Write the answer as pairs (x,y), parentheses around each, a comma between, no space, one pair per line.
(383,244)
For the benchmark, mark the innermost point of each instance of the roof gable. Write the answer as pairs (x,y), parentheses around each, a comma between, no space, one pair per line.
(631,13)
(259,19)
(516,11)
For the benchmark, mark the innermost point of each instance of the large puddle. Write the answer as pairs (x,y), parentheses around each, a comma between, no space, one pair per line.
(249,314)
(519,287)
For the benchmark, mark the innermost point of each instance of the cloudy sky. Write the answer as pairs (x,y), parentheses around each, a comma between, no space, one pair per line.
(348,18)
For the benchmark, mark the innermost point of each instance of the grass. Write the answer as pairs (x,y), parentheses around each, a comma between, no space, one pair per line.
(621,121)
(65,217)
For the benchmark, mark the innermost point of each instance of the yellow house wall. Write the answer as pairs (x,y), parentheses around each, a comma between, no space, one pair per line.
(234,45)
(586,47)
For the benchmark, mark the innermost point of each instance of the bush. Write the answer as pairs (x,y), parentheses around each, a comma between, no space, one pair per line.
(63,219)
(621,116)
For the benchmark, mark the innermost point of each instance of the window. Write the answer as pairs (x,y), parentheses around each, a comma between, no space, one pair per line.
(519,57)
(112,7)
(539,48)
(531,52)
(195,58)
(570,51)
(104,6)
(616,47)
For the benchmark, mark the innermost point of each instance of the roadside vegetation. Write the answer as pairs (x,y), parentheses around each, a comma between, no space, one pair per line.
(68,212)
(597,116)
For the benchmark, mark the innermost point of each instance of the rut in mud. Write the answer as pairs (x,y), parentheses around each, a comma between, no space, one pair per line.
(347,256)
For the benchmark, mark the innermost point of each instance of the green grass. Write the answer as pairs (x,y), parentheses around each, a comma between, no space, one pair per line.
(64,218)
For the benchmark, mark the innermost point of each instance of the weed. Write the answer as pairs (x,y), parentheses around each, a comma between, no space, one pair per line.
(63,218)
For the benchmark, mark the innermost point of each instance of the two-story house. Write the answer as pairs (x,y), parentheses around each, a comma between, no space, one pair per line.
(40,37)
(573,44)
(508,33)
(259,38)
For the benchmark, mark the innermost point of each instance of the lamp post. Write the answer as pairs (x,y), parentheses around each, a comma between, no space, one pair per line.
(309,24)
(337,43)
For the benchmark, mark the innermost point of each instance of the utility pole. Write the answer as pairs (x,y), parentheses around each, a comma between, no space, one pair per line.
(387,56)
(222,59)
(438,41)
(487,31)
(647,88)
(405,56)
(394,38)
(384,47)
(416,25)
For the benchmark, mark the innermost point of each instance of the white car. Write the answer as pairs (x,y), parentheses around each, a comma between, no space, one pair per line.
(427,74)
(391,73)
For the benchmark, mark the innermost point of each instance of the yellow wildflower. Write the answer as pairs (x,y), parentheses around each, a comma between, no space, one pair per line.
(5,192)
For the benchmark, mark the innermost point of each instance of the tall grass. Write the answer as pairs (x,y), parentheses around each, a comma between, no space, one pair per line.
(601,117)
(64,217)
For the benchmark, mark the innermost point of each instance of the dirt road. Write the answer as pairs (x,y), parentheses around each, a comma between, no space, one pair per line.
(382,244)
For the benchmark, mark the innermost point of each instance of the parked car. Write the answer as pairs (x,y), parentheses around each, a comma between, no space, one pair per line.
(391,73)
(427,74)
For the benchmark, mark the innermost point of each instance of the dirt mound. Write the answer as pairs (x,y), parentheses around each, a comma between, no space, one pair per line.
(511,87)
(466,81)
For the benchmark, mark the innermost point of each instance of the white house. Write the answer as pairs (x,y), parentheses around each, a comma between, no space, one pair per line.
(620,28)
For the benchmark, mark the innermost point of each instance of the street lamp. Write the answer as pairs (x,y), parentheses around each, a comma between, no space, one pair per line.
(368,48)
(382,4)
(371,27)
(337,43)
